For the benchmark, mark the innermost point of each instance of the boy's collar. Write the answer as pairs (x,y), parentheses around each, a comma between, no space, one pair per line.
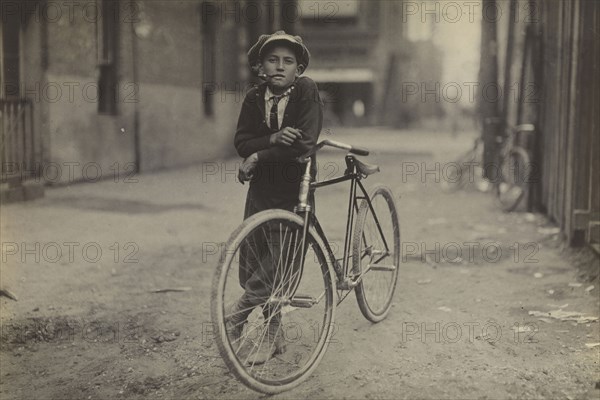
(269,93)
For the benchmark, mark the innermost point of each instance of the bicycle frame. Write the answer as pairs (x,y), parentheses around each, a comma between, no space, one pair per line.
(345,279)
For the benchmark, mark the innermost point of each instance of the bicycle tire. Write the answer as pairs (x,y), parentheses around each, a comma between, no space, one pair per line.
(367,236)
(277,374)
(513,184)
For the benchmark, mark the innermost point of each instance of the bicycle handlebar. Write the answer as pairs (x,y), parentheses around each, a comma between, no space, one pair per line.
(521,128)
(360,151)
(511,128)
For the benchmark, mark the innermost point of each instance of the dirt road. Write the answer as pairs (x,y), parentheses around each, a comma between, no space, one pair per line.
(488,305)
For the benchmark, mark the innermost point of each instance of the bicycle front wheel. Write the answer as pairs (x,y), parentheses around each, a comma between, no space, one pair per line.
(376,254)
(273,302)
(514,179)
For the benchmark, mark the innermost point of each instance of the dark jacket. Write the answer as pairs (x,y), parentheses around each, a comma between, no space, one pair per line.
(278,172)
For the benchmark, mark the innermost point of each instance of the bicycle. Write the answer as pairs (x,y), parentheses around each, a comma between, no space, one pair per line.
(308,281)
(468,169)
(515,168)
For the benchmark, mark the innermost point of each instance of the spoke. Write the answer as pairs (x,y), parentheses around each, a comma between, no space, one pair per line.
(286,272)
(376,282)
(287,254)
(278,289)
(262,338)
(239,312)
(256,256)
(287,279)
(278,268)
(292,274)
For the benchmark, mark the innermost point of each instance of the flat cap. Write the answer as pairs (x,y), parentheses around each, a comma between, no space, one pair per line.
(265,41)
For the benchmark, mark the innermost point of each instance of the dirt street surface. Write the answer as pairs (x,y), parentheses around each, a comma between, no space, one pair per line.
(488,304)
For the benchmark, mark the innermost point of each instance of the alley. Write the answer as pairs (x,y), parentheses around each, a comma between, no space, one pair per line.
(113,284)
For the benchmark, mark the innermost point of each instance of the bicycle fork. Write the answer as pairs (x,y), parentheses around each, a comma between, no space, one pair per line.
(303,209)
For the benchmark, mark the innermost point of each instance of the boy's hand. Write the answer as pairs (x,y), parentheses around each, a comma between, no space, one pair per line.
(285,137)
(246,170)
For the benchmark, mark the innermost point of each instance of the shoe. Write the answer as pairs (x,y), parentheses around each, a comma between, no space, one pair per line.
(234,323)
(272,344)
(234,332)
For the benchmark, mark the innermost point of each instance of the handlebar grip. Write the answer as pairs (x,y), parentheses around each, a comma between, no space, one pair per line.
(359,151)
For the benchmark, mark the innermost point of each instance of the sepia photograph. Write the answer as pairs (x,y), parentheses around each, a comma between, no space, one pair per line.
(299,199)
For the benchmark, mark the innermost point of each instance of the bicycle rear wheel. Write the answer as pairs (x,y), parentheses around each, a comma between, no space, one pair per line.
(376,254)
(514,179)
(273,332)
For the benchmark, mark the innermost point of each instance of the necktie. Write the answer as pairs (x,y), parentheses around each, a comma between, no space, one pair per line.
(273,117)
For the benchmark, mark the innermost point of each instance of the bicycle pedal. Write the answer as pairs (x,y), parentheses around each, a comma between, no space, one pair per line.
(303,301)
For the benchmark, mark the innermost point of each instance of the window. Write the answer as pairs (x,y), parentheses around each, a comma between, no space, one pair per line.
(9,58)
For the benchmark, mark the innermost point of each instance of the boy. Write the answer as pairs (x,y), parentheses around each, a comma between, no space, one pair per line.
(280,120)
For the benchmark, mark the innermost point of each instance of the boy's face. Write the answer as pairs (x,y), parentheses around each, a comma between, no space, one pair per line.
(281,67)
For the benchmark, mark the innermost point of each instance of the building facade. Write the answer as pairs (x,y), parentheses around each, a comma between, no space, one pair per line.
(92,88)
(549,52)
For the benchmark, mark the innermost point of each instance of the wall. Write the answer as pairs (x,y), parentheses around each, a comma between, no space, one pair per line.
(174,129)
(562,66)
(160,119)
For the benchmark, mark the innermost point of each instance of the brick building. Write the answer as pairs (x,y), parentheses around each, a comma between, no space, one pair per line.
(94,87)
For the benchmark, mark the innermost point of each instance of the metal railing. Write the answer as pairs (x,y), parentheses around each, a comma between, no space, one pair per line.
(18,148)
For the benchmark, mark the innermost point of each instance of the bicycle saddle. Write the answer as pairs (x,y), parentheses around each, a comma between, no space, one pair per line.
(363,167)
